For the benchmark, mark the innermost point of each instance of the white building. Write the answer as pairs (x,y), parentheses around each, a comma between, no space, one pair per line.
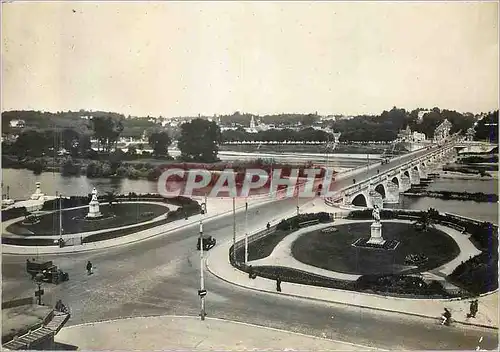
(17,123)
(418,137)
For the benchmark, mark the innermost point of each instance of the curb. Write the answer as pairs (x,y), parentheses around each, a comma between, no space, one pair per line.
(37,250)
(337,302)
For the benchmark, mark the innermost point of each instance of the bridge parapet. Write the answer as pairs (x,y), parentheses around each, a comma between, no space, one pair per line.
(368,186)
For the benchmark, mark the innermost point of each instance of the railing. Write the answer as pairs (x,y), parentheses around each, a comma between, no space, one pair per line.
(256,236)
(378,178)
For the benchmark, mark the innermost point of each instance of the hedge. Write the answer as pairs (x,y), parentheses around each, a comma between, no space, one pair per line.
(13,213)
(294,222)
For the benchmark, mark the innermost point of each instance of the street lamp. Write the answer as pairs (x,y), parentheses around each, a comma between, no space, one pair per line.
(202,292)
(39,292)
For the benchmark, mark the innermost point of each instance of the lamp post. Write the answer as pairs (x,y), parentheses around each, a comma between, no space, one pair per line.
(246,231)
(39,292)
(297,196)
(234,230)
(202,292)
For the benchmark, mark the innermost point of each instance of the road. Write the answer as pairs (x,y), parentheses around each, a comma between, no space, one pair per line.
(161,276)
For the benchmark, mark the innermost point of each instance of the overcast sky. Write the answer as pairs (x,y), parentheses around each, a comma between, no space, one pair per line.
(176,59)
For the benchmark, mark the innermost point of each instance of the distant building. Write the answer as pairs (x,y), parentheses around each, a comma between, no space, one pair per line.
(418,137)
(442,132)
(421,115)
(17,123)
(471,132)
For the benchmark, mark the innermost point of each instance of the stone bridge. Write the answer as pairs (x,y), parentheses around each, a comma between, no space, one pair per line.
(386,186)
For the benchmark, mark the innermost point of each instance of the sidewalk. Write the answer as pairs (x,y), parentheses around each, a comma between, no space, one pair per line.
(216,208)
(190,333)
(218,264)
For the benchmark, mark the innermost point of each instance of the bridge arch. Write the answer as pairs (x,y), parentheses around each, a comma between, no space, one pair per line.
(360,200)
(381,190)
(415,168)
(395,180)
(407,173)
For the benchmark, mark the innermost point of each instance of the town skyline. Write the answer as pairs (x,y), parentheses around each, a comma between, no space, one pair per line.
(258,58)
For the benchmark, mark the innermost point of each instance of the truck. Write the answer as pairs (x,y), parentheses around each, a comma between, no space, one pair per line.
(47,271)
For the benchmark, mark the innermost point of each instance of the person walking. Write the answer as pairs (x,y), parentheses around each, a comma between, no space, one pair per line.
(89,268)
(268,226)
(473,309)
(278,284)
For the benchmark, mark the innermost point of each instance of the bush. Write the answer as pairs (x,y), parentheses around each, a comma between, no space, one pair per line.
(479,274)
(69,168)
(400,284)
(13,213)
(293,222)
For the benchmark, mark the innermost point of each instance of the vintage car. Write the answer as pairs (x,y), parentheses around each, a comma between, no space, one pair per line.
(208,243)
(47,270)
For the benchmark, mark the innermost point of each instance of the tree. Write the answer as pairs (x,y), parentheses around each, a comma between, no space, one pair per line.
(107,131)
(110,197)
(487,128)
(132,151)
(160,141)
(427,219)
(199,141)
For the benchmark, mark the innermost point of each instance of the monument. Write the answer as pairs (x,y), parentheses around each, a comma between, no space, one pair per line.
(38,195)
(94,212)
(376,228)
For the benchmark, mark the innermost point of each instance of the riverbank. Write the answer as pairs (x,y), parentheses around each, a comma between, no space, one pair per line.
(141,168)
(305,148)
(476,197)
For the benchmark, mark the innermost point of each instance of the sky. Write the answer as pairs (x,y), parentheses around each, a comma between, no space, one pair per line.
(190,58)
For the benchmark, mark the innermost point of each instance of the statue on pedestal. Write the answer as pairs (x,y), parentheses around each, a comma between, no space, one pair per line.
(376,213)
(94,211)
(376,228)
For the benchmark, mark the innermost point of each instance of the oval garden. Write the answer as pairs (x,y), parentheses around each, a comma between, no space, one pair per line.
(421,247)
(121,211)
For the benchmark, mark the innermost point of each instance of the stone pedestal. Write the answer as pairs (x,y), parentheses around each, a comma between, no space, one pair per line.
(38,195)
(94,211)
(376,234)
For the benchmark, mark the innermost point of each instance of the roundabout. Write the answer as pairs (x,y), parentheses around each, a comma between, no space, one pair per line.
(74,221)
(335,251)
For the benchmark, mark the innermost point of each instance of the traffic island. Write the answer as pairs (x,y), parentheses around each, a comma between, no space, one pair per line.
(416,267)
(335,252)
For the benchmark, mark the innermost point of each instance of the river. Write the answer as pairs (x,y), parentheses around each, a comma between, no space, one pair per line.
(22,184)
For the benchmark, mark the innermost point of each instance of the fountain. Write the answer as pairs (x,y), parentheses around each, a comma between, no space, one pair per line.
(38,195)
(94,212)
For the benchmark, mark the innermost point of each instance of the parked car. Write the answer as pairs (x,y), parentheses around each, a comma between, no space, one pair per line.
(208,243)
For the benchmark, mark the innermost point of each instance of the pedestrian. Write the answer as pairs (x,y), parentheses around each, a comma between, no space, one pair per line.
(473,309)
(278,284)
(250,272)
(89,267)
(268,226)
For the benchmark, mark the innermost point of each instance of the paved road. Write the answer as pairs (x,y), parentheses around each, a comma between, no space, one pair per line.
(161,276)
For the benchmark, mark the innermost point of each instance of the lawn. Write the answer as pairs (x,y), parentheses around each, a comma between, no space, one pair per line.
(263,247)
(333,251)
(73,222)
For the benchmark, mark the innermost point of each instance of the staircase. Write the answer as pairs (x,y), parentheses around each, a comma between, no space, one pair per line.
(26,341)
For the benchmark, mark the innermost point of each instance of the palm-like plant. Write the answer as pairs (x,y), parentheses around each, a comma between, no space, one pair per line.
(111,197)
(427,219)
